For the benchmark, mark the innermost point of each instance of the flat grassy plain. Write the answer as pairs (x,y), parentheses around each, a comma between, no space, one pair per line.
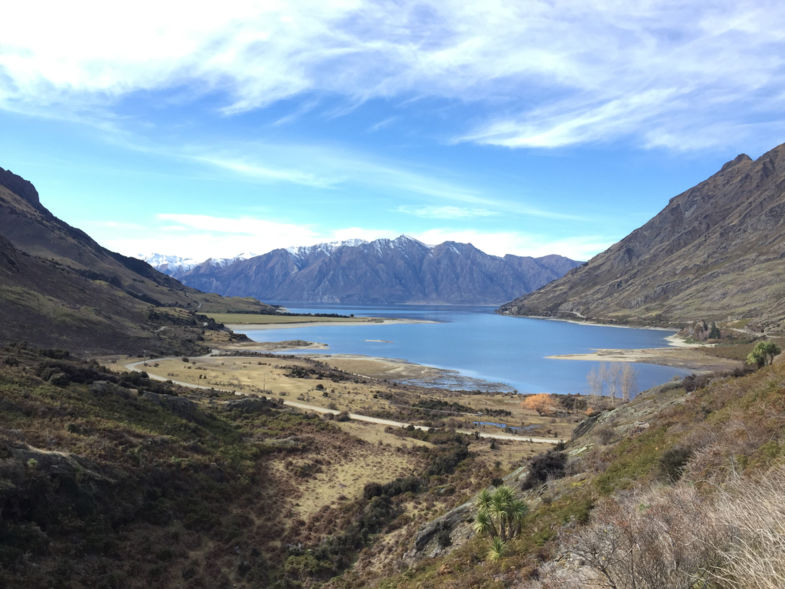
(361,385)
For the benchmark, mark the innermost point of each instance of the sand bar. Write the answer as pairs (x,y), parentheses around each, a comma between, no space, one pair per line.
(689,358)
(318,323)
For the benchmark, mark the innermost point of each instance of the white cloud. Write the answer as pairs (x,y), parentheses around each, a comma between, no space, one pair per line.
(550,73)
(276,174)
(204,236)
(445,212)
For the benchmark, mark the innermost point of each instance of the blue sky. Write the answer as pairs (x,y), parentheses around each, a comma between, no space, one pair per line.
(208,129)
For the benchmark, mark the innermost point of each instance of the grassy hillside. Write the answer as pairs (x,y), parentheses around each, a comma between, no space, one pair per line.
(110,479)
(678,488)
(59,288)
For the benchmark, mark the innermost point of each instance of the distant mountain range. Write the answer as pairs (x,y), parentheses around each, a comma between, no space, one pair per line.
(59,288)
(177,264)
(716,252)
(384,271)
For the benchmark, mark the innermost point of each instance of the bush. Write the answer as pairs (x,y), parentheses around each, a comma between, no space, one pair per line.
(672,463)
(660,538)
(693,382)
(572,402)
(443,538)
(399,486)
(372,490)
(762,354)
(605,434)
(551,465)
(445,462)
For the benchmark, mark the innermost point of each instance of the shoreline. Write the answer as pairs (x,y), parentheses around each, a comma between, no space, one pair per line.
(317,323)
(407,372)
(676,353)
(688,357)
(593,323)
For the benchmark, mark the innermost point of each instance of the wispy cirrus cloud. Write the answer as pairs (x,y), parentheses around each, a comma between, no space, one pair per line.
(330,167)
(267,173)
(445,212)
(542,74)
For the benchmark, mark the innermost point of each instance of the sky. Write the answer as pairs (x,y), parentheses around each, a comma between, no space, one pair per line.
(210,129)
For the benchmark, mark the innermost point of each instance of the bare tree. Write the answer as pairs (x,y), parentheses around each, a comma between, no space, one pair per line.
(612,379)
(629,382)
(594,379)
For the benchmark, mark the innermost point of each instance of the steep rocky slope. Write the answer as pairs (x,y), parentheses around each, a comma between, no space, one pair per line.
(401,270)
(716,252)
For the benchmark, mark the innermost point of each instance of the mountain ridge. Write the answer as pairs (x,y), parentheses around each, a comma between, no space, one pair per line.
(60,288)
(715,252)
(383,271)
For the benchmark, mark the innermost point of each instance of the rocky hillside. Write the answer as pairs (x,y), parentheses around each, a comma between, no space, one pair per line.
(384,271)
(716,252)
(59,288)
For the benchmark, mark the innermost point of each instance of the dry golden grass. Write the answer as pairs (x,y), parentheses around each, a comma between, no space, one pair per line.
(508,455)
(362,391)
(263,375)
(374,434)
(346,473)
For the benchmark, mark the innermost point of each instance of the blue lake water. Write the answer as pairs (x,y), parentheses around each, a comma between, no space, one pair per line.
(480,344)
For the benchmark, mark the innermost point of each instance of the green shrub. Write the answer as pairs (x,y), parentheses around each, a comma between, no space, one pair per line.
(672,463)
(551,464)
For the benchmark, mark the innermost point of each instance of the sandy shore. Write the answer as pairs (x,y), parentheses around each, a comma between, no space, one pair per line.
(587,322)
(292,344)
(406,372)
(383,368)
(686,356)
(317,323)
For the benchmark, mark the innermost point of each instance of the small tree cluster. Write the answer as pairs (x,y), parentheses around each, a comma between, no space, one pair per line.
(763,354)
(613,380)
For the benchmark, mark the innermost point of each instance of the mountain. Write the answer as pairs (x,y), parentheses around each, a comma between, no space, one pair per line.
(60,288)
(384,271)
(715,252)
(178,265)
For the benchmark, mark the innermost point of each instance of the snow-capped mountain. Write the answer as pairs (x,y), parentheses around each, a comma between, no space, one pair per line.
(173,265)
(383,271)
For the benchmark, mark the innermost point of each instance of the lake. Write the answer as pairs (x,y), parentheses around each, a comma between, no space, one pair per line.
(480,344)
